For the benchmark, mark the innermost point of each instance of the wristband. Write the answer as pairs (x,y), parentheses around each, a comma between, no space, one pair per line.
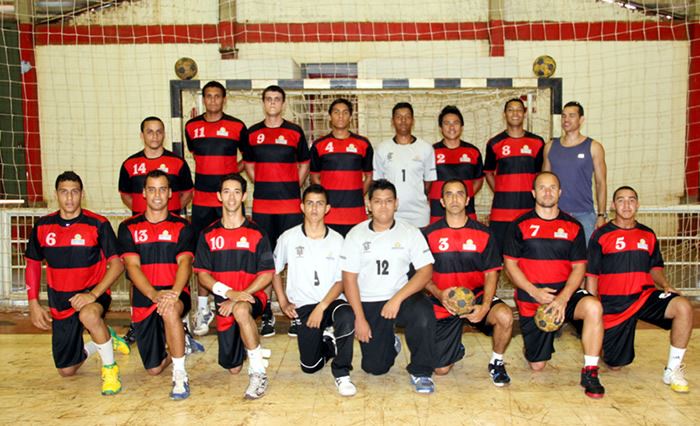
(220,289)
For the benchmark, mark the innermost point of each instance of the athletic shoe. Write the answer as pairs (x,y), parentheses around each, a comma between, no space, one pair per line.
(181,386)
(202,321)
(118,343)
(268,326)
(397,344)
(345,386)
(191,345)
(294,325)
(423,384)
(676,378)
(591,383)
(256,386)
(130,336)
(498,373)
(329,342)
(111,383)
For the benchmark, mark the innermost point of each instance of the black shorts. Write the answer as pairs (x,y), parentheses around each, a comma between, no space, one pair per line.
(618,341)
(232,352)
(341,229)
(275,224)
(539,345)
(150,335)
(448,335)
(202,217)
(67,336)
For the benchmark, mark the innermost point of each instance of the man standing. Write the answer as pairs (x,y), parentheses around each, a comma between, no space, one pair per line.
(157,249)
(576,158)
(513,158)
(234,261)
(313,294)
(545,258)
(466,255)
(375,261)
(409,163)
(214,139)
(454,159)
(278,164)
(625,269)
(342,163)
(80,251)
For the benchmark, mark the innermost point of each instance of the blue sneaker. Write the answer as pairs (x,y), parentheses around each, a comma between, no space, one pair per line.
(397,344)
(498,373)
(192,345)
(423,384)
(181,386)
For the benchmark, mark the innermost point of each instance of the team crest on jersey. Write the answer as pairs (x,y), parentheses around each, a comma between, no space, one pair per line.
(281,140)
(299,250)
(561,234)
(243,243)
(390,156)
(581,156)
(465,159)
(469,245)
(163,168)
(330,256)
(165,236)
(366,245)
(222,131)
(397,246)
(77,240)
(525,150)
(351,148)
(642,244)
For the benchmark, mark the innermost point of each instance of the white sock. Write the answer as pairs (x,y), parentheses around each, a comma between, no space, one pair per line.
(203,303)
(106,352)
(675,357)
(90,348)
(178,364)
(496,357)
(255,360)
(590,361)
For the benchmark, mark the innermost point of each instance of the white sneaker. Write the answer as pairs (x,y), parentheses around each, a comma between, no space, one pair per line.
(202,321)
(256,386)
(345,386)
(181,386)
(676,378)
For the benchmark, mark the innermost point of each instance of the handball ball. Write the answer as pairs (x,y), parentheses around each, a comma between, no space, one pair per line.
(544,66)
(185,68)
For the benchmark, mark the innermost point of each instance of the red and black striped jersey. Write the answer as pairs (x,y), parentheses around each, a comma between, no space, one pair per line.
(515,162)
(158,246)
(462,257)
(341,163)
(622,260)
(234,257)
(545,251)
(132,178)
(76,253)
(463,162)
(277,152)
(214,146)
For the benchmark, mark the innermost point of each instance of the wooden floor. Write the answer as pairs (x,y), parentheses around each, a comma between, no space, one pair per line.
(32,392)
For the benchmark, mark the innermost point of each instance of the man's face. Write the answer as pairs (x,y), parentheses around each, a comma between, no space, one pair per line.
(153,134)
(383,205)
(570,119)
(340,117)
(315,207)
(402,120)
(515,114)
(232,196)
(451,127)
(454,198)
(157,192)
(273,104)
(69,196)
(546,191)
(214,100)
(625,204)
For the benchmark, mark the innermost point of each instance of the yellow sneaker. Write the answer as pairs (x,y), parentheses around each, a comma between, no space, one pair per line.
(676,378)
(111,383)
(118,343)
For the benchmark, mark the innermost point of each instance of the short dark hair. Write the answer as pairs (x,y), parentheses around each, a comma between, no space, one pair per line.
(518,100)
(537,176)
(450,109)
(380,185)
(274,88)
(151,118)
(575,104)
(69,176)
(453,180)
(155,174)
(402,105)
(215,85)
(314,188)
(344,101)
(236,177)
(622,188)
